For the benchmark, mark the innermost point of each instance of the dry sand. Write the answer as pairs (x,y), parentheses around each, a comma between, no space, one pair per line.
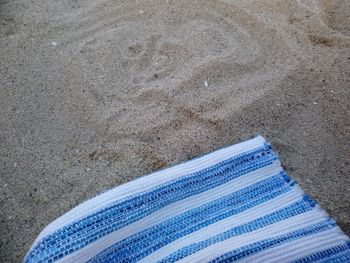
(95,93)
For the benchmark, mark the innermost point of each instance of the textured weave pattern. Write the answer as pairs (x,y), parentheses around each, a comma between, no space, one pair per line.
(235,204)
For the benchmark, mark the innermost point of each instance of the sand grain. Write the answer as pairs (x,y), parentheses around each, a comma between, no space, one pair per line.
(96,93)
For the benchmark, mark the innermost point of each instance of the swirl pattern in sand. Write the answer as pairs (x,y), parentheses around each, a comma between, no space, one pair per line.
(96,92)
(143,53)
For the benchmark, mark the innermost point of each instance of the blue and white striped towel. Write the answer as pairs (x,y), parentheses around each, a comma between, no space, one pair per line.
(233,204)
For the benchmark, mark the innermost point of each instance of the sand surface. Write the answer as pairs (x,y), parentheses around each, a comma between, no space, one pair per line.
(94,93)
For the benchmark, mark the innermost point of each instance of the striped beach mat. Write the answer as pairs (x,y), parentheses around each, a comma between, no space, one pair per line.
(235,204)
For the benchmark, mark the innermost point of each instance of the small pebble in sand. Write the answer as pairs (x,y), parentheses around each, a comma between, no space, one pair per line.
(54,43)
(206,83)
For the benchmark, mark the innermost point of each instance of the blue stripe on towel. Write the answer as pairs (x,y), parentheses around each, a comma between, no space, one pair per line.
(257,247)
(83,232)
(296,208)
(332,254)
(342,257)
(148,241)
(137,226)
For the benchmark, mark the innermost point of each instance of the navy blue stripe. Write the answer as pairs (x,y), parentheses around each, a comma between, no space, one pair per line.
(257,247)
(334,252)
(294,209)
(144,243)
(87,230)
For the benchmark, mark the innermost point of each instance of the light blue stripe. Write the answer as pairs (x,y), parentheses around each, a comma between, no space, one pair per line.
(144,243)
(85,231)
(328,255)
(296,208)
(257,247)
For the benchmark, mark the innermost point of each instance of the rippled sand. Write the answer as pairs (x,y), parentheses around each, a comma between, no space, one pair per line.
(97,92)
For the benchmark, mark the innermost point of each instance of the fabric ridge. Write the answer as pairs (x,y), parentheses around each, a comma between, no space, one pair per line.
(234,204)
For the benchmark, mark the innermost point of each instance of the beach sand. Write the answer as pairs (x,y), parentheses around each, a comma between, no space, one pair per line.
(95,93)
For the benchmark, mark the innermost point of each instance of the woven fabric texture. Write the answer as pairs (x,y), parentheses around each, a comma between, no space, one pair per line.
(235,204)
